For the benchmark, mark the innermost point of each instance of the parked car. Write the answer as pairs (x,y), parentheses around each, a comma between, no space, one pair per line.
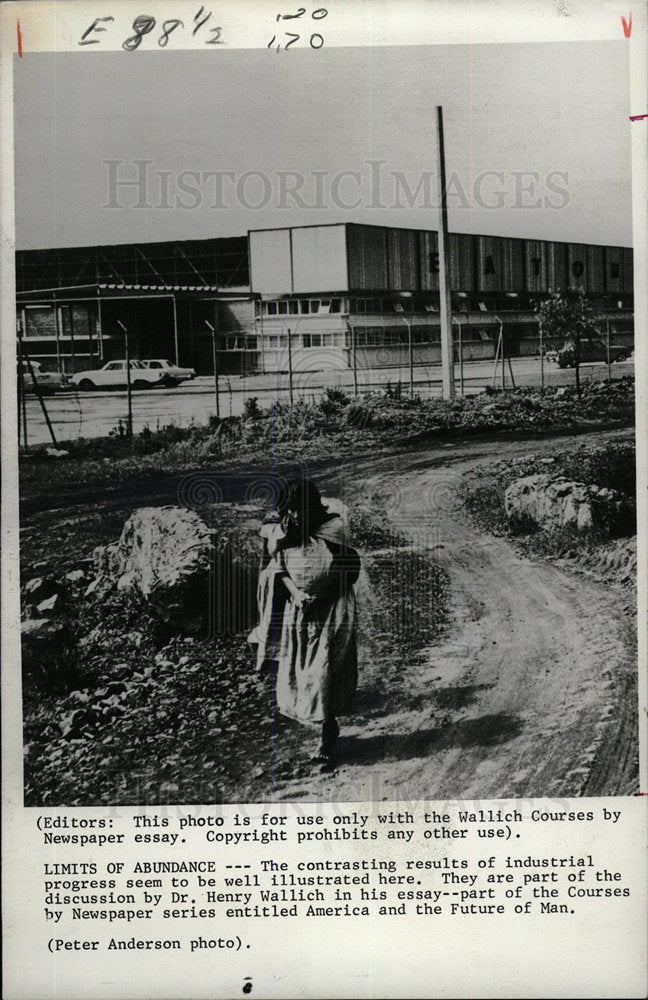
(172,374)
(48,382)
(113,375)
(592,350)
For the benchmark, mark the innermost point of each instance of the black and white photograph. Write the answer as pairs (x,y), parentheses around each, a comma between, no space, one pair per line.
(324,499)
(325,371)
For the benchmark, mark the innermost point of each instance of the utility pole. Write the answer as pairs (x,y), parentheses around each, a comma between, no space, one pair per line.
(447,353)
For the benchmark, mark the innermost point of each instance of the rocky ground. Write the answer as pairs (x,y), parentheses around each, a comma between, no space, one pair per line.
(486,668)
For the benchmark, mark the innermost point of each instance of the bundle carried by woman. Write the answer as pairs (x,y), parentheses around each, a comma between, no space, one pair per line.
(307,609)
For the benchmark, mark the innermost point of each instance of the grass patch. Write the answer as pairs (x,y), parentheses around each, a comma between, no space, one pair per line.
(412,610)
(315,430)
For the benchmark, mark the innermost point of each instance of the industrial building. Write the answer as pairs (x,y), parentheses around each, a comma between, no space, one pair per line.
(304,297)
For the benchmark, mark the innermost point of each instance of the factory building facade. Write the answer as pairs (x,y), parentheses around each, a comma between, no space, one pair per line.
(305,297)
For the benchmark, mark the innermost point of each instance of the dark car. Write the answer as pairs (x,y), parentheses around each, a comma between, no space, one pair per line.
(592,350)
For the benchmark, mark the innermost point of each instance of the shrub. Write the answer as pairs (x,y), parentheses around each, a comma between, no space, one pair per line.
(612,465)
(251,409)
(336,395)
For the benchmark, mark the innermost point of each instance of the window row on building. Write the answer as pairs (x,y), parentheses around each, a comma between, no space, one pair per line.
(300,307)
(398,304)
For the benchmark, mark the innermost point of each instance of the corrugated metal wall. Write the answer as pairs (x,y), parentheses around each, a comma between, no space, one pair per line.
(556,266)
(429,261)
(489,263)
(377,257)
(627,270)
(367,255)
(462,269)
(613,269)
(403,263)
(513,259)
(595,269)
(577,265)
(535,265)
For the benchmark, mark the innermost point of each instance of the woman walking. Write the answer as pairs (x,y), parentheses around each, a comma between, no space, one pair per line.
(307,612)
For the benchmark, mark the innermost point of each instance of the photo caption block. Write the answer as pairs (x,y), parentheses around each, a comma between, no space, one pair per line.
(233,886)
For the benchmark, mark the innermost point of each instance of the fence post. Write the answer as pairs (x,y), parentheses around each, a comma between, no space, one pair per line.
(290,367)
(215,360)
(609,366)
(129,389)
(461,358)
(24,353)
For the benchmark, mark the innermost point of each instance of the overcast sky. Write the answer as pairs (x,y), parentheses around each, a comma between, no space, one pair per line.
(556,112)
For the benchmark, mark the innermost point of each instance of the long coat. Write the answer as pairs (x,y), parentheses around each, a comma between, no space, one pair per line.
(314,645)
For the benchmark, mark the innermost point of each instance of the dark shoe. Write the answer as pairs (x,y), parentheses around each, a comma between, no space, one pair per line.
(330,733)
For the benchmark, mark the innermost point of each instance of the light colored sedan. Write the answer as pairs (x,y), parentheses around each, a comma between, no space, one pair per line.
(48,382)
(113,375)
(171,374)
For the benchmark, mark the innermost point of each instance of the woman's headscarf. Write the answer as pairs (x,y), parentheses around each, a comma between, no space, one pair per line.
(302,499)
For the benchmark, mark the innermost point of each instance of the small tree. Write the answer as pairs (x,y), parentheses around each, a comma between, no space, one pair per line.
(569,318)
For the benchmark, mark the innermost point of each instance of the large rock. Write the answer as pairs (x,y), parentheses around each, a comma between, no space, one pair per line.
(194,577)
(558,502)
(159,548)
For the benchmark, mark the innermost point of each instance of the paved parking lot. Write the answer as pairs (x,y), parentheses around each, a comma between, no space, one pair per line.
(94,414)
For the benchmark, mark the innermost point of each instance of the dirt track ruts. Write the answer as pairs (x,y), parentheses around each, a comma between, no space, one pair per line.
(531,692)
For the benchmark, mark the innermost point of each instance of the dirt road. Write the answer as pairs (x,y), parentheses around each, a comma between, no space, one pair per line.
(530,693)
